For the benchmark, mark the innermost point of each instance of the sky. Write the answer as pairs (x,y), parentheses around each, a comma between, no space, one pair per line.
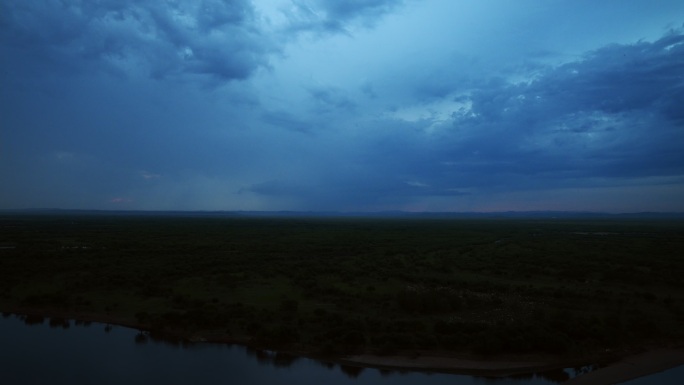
(331,105)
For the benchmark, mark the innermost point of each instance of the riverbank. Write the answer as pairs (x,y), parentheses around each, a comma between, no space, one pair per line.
(615,367)
(350,286)
(627,368)
(632,367)
(463,364)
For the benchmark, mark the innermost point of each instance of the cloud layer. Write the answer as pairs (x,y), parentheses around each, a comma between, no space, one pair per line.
(328,105)
(163,39)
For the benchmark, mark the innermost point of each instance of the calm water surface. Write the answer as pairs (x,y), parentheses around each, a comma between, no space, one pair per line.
(62,353)
(669,377)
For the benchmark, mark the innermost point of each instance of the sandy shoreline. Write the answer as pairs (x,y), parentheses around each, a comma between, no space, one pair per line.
(625,369)
(633,367)
(499,367)
(622,369)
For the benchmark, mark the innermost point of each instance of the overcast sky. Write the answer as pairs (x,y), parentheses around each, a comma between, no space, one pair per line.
(354,105)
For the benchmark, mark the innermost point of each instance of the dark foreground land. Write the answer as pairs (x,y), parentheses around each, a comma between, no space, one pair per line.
(566,288)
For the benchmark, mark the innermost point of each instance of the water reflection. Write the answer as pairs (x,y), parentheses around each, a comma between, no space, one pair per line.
(555,375)
(269,357)
(59,323)
(674,376)
(34,320)
(141,338)
(111,354)
(385,372)
(82,323)
(351,371)
(326,364)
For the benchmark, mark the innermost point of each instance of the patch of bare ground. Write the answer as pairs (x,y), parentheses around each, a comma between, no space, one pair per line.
(447,362)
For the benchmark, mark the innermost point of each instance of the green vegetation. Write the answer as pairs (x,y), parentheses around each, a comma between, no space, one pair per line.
(347,285)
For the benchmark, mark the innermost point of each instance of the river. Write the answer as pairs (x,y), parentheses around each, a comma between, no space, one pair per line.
(62,352)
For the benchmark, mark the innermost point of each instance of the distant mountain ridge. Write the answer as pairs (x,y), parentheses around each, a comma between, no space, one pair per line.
(351,214)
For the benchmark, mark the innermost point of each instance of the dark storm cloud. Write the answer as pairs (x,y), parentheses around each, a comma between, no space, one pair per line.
(337,105)
(608,118)
(356,9)
(621,78)
(332,16)
(614,113)
(210,37)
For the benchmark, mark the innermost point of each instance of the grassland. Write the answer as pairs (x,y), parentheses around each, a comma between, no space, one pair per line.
(566,287)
